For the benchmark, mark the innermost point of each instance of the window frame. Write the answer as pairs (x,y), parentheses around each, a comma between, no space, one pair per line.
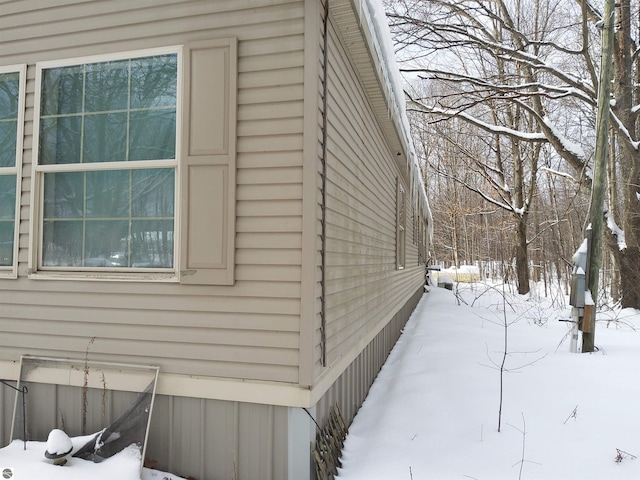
(11,271)
(36,269)
(401,225)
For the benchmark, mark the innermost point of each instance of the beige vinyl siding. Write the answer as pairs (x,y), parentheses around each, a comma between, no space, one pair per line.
(249,330)
(364,288)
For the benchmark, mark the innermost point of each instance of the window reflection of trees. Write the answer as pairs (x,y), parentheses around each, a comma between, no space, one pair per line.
(124,217)
(7,218)
(9,91)
(109,112)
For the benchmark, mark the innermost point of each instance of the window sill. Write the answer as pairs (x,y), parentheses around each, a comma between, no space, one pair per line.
(164,277)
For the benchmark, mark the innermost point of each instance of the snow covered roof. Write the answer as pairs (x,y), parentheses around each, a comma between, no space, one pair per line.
(365,31)
(364,28)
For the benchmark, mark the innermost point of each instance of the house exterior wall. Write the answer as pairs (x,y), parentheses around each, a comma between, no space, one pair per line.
(365,287)
(249,330)
(236,361)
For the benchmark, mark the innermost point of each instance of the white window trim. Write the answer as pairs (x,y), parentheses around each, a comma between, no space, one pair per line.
(12,271)
(35,271)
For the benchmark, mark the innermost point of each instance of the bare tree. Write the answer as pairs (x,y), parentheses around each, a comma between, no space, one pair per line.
(525,73)
(624,176)
(493,86)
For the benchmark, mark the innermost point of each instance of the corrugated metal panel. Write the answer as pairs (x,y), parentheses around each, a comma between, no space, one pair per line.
(212,439)
(247,331)
(205,439)
(7,399)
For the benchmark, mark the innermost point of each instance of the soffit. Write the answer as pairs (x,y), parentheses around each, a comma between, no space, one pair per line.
(360,42)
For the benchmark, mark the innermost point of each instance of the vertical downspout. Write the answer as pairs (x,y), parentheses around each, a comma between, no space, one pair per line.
(323,233)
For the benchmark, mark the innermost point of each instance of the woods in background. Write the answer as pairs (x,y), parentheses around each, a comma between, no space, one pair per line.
(502,97)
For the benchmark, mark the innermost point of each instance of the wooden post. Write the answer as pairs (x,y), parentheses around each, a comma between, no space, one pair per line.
(599,185)
(586,319)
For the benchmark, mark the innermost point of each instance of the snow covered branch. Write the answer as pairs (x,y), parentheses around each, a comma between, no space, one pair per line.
(491,128)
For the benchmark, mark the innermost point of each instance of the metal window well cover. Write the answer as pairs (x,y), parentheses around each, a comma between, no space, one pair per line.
(77,378)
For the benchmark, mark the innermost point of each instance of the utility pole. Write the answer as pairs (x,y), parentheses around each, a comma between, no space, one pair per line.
(599,185)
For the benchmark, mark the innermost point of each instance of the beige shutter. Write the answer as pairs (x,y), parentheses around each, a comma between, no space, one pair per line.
(208,163)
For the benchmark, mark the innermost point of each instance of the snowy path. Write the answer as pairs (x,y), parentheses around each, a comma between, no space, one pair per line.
(432,413)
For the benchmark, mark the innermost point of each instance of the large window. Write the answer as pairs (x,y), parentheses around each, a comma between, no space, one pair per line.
(11,108)
(106,170)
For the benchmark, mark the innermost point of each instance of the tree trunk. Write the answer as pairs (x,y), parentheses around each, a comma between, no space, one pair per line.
(522,263)
(629,160)
(615,279)
(630,278)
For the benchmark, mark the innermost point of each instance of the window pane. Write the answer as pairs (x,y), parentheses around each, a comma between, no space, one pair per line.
(62,90)
(6,243)
(8,133)
(105,240)
(63,195)
(7,197)
(107,86)
(9,88)
(108,194)
(152,135)
(105,138)
(7,218)
(108,111)
(153,193)
(111,218)
(154,81)
(152,244)
(60,140)
(62,243)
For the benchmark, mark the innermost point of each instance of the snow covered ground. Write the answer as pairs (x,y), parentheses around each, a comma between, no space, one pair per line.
(432,413)
(18,463)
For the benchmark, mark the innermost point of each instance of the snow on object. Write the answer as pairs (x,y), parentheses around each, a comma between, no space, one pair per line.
(373,14)
(622,129)
(533,136)
(568,145)
(376,17)
(588,298)
(557,173)
(28,465)
(580,252)
(466,273)
(467,269)
(583,246)
(617,231)
(518,210)
(58,443)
